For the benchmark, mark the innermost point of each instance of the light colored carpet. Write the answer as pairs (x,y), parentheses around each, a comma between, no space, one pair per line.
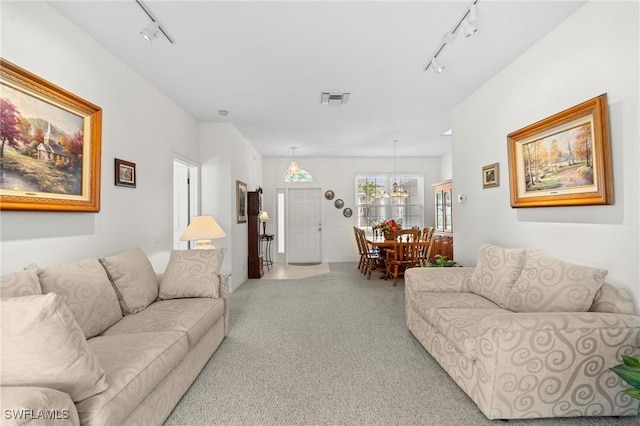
(331,349)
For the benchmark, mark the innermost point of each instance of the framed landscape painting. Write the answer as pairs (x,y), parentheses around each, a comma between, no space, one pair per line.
(50,145)
(563,160)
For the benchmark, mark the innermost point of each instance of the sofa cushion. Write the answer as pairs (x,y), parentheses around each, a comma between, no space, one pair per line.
(44,346)
(36,400)
(461,326)
(134,365)
(547,284)
(21,283)
(426,303)
(497,270)
(133,279)
(193,316)
(191,273)
(613,299)
(86,290)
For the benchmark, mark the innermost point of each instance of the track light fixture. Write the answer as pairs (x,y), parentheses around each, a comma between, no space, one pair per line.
(151,31)
(436,66)
(466,25)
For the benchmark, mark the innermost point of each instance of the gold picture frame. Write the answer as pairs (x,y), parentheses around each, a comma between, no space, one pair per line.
(51,145)
(491,175)
(563,160)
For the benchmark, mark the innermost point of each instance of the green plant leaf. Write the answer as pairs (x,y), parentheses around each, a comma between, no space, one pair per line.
(634,393)
(630,375)
(631,361)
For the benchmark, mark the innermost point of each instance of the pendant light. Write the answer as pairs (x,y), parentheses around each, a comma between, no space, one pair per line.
(396,189)
(293,167)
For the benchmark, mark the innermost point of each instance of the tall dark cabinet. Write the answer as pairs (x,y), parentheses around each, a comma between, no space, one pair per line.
(254,207)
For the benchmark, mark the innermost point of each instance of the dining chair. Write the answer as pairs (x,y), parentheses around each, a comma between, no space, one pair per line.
(405,255)
(408,235)
(360,249)
(426,234)
(372,257)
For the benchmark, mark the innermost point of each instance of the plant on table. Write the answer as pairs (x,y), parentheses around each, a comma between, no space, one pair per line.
(388,227)
(439,261)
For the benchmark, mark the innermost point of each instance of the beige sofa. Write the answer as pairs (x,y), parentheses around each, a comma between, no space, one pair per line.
(107,341)
(526,335)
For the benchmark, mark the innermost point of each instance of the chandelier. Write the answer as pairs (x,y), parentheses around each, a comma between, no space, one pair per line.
(397,190)
(293,167)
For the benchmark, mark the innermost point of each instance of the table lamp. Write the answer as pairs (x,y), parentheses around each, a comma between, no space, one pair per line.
(264,217)
(203,229)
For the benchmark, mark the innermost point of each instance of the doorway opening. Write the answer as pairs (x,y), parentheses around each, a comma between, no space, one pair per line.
(185,199)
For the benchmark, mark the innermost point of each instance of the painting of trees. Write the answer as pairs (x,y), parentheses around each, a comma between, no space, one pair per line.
(9,125)
(35,154)
(50,145)
(560,160)
(564,159)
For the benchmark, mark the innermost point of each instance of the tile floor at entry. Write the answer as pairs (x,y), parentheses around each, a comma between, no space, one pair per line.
(285,271)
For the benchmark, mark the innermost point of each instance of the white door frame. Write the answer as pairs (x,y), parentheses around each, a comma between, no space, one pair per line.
(192,205)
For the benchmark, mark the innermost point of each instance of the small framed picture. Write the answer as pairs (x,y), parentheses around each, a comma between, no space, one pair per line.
(491,175)
(125,173)
(241,202)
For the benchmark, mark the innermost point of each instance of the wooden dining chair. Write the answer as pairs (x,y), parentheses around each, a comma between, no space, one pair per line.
(372,257)
(360,249)
(405,255)
(408,235)
(426,234)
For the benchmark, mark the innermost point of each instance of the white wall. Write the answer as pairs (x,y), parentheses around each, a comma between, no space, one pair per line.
(226,156)
(446,167)
(338,174)
(594,51)
(139,124)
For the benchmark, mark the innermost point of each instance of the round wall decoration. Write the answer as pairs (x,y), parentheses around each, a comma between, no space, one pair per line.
(329,194)
(347,212)
(338,203)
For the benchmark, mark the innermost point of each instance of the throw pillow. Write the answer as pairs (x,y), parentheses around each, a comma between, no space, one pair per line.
(21,283)
(44,346)
(191,273)
(86,290)
(547,284)
(133,278)
(497,270)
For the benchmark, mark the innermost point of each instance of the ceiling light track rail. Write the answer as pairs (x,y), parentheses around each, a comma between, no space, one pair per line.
(154,20)
(467,24)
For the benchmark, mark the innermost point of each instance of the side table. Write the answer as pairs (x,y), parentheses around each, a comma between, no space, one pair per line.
(266,241)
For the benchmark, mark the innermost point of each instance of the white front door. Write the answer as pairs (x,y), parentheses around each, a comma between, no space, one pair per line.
(304,226)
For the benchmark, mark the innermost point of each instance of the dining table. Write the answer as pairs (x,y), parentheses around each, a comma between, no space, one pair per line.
(378,241)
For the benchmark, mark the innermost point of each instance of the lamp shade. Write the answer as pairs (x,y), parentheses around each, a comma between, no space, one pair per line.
(264,216)
(293,168)
(203,229)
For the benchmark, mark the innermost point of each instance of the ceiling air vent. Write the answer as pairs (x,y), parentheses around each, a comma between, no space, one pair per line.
(335,98)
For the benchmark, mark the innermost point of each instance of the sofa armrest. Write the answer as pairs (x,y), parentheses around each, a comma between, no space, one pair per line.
(554,364)
(438,279)
(225,292)
(25,405)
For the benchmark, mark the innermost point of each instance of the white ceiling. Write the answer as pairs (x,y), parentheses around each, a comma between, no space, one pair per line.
(268,62)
